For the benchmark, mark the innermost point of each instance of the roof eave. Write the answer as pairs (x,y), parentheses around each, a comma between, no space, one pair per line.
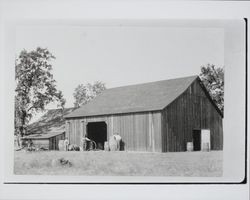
(120,113)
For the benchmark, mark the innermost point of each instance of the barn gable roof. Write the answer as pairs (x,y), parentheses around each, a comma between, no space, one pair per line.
(144,97)
(44,136)
(50,124)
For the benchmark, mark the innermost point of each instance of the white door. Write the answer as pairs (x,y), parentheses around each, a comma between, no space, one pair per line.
(205,140)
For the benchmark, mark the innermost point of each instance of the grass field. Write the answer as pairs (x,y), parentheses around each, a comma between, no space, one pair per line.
(99,163)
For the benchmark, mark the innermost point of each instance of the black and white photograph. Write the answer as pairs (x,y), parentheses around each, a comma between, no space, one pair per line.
(122,101)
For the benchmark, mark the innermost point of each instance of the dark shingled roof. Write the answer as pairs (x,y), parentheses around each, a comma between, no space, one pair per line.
(135,98)
(43,136)
(50,124)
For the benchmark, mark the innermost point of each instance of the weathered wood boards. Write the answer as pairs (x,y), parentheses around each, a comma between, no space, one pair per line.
(53,141)
(166,130)
(192,110)
(48,141)
(133,128)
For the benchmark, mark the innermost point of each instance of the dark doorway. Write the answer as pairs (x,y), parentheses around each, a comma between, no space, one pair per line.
(197,139)
(97,131)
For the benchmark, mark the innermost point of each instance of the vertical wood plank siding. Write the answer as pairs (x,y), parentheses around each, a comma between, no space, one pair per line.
(139,131)
(191,110)
(41,143)
(168,130)
(53,141)
(50,143)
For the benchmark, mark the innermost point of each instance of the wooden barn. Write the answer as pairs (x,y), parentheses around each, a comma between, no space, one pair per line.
(160,116)
(48,130)
(48,141)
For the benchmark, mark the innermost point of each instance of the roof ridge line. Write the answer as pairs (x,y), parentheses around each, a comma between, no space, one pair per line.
(151,82)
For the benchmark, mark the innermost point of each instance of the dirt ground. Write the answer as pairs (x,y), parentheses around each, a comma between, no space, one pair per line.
(100,163)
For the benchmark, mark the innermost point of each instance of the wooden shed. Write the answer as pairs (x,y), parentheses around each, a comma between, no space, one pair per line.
(160,116)
(49,129)
(49,141)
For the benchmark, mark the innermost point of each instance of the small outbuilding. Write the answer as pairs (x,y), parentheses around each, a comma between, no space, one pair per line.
(160,116)
(47,141)
(48,130)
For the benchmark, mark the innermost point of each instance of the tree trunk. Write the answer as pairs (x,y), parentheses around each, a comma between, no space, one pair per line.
(22,126)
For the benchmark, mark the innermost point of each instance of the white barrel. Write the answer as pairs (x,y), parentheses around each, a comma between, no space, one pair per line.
(190,146)
(61,145)
(112,144)
(106,146)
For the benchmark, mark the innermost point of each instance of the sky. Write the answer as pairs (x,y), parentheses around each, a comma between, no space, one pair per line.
(122,55)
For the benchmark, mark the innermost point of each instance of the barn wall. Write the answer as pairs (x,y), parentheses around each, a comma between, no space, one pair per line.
(139,131)
(189,111)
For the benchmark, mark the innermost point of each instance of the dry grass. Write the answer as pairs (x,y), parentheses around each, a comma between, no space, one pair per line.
(207,164)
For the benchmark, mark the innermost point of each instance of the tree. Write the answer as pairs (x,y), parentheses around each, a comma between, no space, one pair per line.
(84,93)
(213,79)
(35,86)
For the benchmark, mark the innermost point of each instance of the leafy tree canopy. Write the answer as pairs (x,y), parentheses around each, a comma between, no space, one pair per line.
(213,79)
(36,86)
(85,93)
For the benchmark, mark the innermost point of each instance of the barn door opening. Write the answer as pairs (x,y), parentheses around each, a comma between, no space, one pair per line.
(197,139)
(97,131)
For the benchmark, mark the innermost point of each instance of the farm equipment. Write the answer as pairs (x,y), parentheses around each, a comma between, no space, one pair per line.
(88,144)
